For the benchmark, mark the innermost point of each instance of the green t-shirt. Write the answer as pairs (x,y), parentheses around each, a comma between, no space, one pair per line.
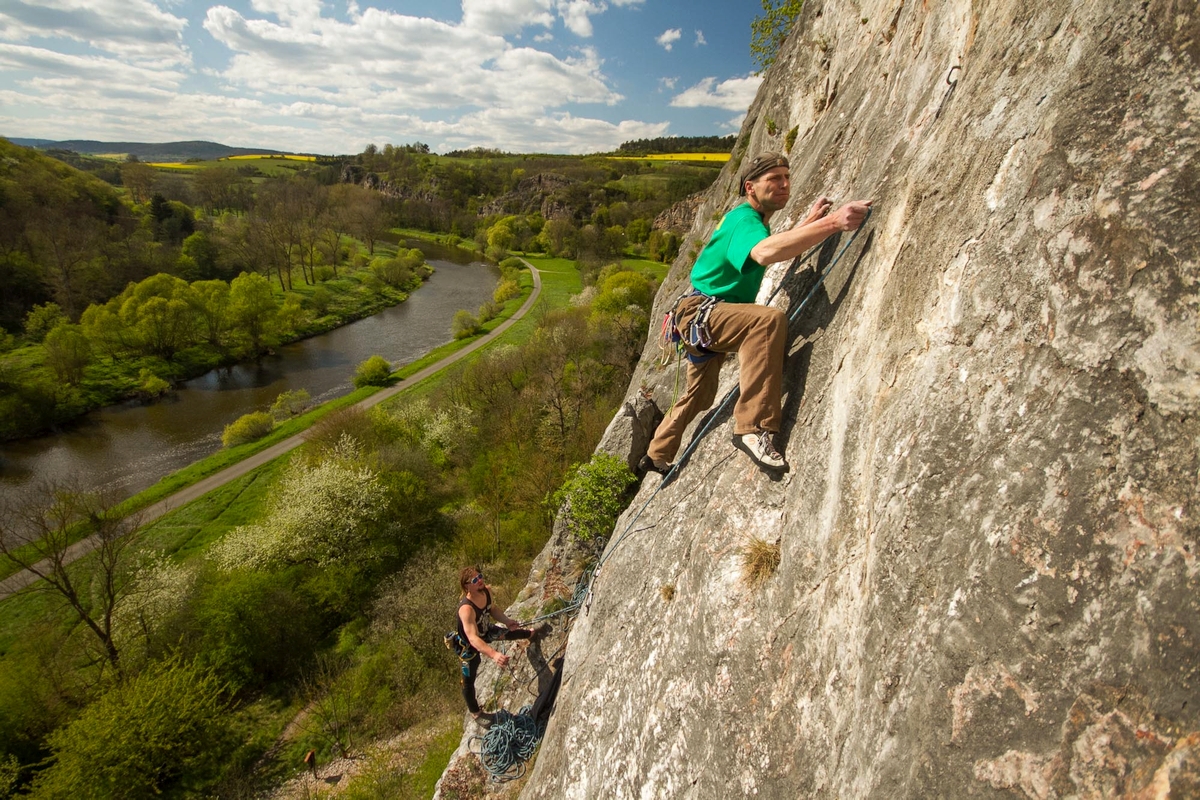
(724,268)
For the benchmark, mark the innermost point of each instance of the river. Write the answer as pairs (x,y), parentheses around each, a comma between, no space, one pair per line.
(128,447)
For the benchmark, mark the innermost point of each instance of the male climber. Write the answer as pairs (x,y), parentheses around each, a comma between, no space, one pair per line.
(475,631)
(722,313)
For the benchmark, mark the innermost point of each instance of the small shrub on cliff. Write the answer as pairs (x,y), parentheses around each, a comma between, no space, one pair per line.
(759,559)
(247,428)
(375,371)
(593,495)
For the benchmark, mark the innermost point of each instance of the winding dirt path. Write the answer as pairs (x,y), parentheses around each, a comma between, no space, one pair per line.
(20,580)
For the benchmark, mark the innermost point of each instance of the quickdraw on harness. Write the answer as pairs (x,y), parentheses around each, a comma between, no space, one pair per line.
(462,648)
(694,341)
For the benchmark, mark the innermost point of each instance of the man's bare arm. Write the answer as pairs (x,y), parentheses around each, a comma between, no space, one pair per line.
(791,243)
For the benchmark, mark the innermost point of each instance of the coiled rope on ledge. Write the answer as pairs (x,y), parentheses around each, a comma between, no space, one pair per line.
(509,743)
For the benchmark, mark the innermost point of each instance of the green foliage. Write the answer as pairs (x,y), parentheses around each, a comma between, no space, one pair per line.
(253,307)
(623,289)
(151,386)
(768,31)
(465,324)
(678,144)
(10,774)
(290,404)
(162,729)
(247,428)
(506,290)
(790,140)
(375,371)
(42,319)
(67,352)
(593,496)
(400,271)
(251,627)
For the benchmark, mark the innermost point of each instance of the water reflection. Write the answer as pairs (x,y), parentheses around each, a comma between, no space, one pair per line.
(130,446)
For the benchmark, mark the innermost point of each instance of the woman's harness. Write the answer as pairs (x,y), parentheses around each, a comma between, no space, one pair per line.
(695,340)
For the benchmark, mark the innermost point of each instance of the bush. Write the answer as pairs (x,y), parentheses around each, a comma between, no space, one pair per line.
(375,371)
(488,311)
(248,428)
(465,325)
(593,496)
(42,319)
(506,291)
(152,386)
(162,728)
(320,299)
(290,404)
(67,352)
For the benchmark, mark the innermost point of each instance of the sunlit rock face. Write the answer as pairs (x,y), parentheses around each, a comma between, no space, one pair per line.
(988,581)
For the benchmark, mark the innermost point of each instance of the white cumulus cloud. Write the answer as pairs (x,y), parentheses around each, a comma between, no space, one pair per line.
(131,29)
(735,94)
(504,17)
(669,37)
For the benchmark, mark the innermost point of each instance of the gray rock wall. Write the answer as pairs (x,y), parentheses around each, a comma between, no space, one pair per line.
(988,580)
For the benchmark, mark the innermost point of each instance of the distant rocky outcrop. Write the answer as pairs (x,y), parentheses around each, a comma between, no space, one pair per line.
(679,217)
(987,582)
(536,194)
(359,175)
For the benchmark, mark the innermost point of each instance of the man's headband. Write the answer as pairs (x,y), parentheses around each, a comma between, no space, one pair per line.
(760,164)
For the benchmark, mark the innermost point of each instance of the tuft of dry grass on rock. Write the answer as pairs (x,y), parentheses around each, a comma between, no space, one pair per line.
(667,591)
(760,559)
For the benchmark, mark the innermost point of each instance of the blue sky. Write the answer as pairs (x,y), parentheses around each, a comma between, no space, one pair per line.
(331,76)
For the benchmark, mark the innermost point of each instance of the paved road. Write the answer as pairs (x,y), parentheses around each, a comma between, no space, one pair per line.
(20,580)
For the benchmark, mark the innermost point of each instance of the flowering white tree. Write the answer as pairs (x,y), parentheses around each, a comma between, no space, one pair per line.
(435,430)
(322,513)
(160,589)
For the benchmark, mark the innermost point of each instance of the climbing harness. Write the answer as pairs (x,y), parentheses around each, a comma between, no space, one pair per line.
(694,341)
(461,648)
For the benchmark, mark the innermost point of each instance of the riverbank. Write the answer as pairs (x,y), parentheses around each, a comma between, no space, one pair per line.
(240,460)
(36,397)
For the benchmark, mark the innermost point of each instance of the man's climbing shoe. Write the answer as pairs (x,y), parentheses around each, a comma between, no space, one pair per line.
(484,719)
(760,447)
(647,464)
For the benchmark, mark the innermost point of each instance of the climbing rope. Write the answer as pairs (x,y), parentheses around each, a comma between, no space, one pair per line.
(729,397)
(508,744)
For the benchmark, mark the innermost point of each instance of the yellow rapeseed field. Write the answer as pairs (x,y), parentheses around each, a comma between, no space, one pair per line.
(715,157)
(260,157)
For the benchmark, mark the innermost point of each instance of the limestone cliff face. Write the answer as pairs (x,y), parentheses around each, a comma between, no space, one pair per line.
(988,577)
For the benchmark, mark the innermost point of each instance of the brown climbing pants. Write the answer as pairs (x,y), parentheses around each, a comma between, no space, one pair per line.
(758,334)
